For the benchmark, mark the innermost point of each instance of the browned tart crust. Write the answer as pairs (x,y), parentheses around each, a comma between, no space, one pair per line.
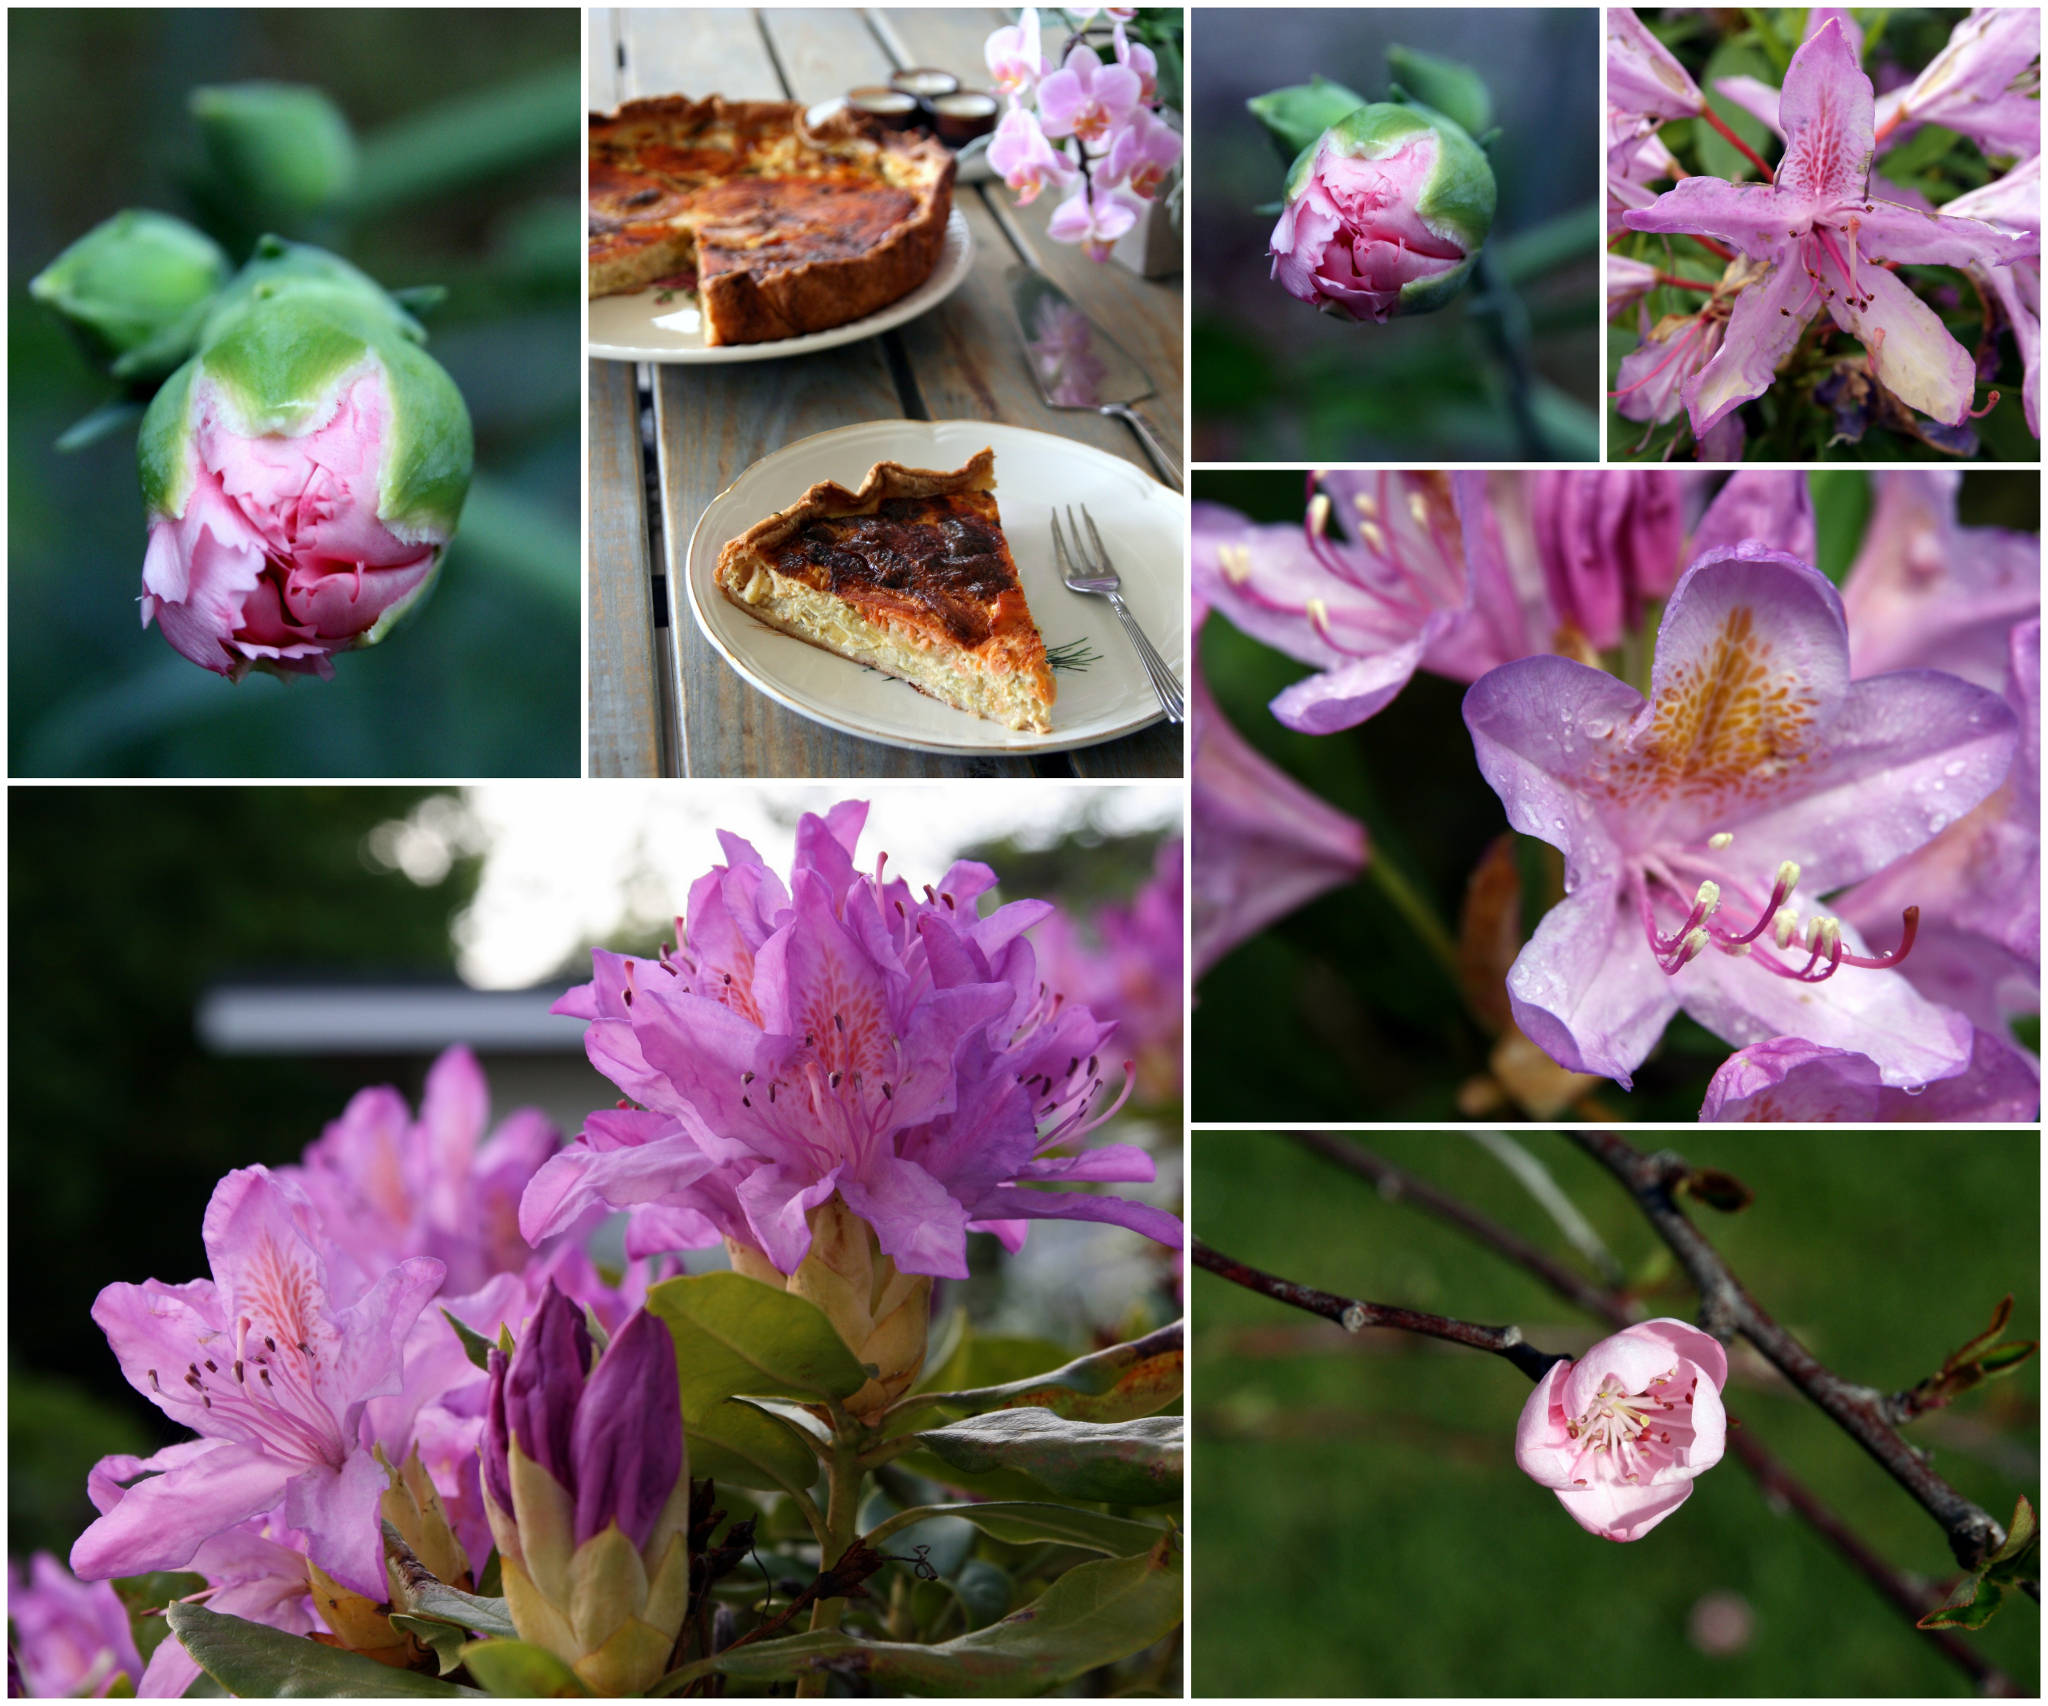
(911,575)
(784,230)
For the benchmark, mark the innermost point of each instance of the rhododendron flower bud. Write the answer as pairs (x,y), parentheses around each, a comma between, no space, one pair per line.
(1619,1434)
(134,289)
(1385,214)
(587,1484)
(880,1313)
(303,472)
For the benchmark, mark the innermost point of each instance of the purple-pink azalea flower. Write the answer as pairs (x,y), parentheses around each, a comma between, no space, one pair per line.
(1086,98)
(1628,282)
(1822,236)
(1757,767)
(1261,844)
(1789,1078)
(388,1187)
(2013,203)
(1620,1434)
(1645,86)
(1984,84)
(840,1036)
(273,1369)
(71,1639)
(1021,156)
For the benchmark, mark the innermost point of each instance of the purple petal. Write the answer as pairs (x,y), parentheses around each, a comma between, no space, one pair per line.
(1769,316)
(1911,351)
(1829,117)
(1889,231)
(338,1509)
(545,1382)
(1016,1203)
(162,1521)
(1753,218)
(1789,1078)
(917,1221)
(1774,509)
(1585,988)
(627,1442)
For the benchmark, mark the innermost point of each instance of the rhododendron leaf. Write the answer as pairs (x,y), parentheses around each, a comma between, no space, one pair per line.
(248,1659)
(1021,1522)
(742,1443)
(518,1670)
(1456,91)
(1126,1463)
(444,1640)
(1114,1385)
(1718,1190)
(985,1591)
(439,1603)
(1295,117)
(736,1335)
(1094,1614)
(475,1346)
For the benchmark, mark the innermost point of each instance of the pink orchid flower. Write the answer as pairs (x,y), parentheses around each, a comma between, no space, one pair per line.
(1016,56)
(1821,236)
(1024,159)
(1085,98)
(1620,1434)
(1688,820)
(1263,845)
(1096,218)
(274,1371)
(1789,1078)
(71,1639)
(1142,150)
(840,1036)
(1140,59)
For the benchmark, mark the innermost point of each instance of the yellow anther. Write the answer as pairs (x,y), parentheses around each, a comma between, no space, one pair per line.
(1236,563)
(1785,926)
(1708,898)
(1788,876)
(1366,504)
(1319,513)
(1717,842)
(1418,507)
(1375,540)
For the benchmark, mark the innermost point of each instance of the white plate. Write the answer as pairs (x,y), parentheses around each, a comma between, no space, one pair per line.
(642,327)
(970,160)
(1143,526)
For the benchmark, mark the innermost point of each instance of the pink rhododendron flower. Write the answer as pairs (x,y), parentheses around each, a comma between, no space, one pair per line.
(1095,218)
(1821,233)
(1630,172)
(388,1187)
(1620,1434)
(279,555)
(1628,282)
(1645,84)
(1262,844)
(839,1037)
(1016,57)
(2013,203)
(274,1370)
(1978,85)
(71,1639)
(1086,98)
(1689,819)
(1609,544)
(1789,1078)
(1021,156)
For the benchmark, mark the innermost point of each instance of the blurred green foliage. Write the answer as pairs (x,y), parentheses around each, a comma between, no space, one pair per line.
(1275,381)
(470,178)
(1360,1527)
(124,905)
(1339,1011)
(1791,422)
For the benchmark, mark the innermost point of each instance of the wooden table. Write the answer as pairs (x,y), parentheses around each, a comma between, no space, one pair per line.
(665,440)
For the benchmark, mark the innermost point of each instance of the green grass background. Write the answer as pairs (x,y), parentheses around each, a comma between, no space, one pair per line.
(1359,1526)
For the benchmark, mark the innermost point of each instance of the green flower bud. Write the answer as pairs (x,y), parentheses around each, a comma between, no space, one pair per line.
(135,290)
(278,152)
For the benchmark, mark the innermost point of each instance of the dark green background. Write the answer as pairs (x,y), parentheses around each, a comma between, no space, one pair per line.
(1359,1525)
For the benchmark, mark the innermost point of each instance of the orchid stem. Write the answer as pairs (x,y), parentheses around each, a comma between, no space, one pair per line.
(1408,901)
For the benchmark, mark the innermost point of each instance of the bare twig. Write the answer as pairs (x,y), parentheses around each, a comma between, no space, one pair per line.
(1354,1315)
(1726,1309)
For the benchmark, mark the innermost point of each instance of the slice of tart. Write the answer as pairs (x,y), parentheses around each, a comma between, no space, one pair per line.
(910,575)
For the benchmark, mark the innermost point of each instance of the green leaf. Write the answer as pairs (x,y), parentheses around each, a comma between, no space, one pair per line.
(1019,1522)
(984,1591)
(444,1640)
(518,1670)
(736,1336)
(1841,510)
(1295,117)
(246,1658)
(102,422)
(740,1442)
(444,1604)
(1456,91)
(1095,1614)
(1124,1463)
(1718,157)
(2012,1568)
(475,1346)
(1114,1385)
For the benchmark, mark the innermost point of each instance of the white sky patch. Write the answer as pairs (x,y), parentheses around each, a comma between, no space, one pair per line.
(568,863)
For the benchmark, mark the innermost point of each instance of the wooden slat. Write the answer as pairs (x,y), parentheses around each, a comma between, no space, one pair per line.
(825,50)
(682,51)
(601,70)
(625,695)
(1152,752)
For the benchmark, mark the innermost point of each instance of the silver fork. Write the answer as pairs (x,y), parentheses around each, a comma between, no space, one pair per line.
(1100,577)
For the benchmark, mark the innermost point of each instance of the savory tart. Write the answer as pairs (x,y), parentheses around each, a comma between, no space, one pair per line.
(779,229)
(910,575)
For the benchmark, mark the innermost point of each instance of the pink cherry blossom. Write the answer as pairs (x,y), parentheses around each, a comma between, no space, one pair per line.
(1620,1434)
(1023,158)
(1085,98)
(1820,232)
(1096,218)
(279,556)
(1688,821)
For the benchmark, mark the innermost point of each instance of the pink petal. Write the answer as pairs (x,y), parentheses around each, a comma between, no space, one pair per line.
(1911,351)
(1828,113)
(1769,315)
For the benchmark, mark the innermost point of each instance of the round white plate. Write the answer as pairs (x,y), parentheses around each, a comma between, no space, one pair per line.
(1143,527)
(970,161)
(645,327)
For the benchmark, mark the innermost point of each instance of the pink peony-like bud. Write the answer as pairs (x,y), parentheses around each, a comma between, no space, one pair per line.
(1619,1434)
(1385,214)
(279,556)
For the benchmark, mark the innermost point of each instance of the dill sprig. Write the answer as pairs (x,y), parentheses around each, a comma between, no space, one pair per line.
(1074,655)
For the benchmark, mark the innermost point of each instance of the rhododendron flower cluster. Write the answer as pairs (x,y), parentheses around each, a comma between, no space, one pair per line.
(1094,131)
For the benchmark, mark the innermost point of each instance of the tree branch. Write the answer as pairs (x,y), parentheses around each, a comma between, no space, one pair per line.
(1726,1309)
(1354,1315)
(1396,1184)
